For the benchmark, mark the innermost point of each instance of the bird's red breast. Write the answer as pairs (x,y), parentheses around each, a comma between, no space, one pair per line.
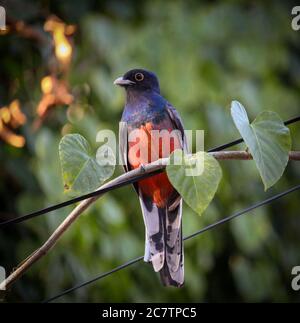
(148,147)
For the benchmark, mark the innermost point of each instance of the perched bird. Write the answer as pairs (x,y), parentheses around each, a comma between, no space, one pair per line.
(147,110)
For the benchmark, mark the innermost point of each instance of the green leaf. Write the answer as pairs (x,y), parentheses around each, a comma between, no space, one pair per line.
(196,179)
(80,169)
(268,140)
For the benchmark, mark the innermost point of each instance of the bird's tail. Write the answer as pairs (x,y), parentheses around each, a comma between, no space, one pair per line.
(172,272)
(163,245)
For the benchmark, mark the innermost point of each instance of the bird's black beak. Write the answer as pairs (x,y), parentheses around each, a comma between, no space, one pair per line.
(122,82)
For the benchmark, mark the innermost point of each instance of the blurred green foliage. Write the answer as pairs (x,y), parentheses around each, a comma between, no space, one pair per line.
(206,54)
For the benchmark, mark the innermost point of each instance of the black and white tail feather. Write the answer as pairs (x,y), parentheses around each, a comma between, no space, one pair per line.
(163,245)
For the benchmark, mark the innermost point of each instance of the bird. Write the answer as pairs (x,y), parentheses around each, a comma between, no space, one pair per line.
(145,111)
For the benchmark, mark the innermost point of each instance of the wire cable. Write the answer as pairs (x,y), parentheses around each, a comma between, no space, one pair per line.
(207,228)
(240,140)
(75,200)
(102,191)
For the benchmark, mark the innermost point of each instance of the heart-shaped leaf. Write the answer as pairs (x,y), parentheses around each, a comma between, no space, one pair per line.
(196,179)
(268,140)
(80,169)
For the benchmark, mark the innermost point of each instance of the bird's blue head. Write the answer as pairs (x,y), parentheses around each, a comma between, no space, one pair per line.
(138,80)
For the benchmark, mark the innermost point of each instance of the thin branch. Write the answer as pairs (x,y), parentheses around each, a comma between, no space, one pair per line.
(123,179)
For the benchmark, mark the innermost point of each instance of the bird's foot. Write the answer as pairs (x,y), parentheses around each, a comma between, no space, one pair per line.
(143,168)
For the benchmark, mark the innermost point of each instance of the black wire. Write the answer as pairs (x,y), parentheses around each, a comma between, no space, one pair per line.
(101,191)
(230,144)
(209,227)
(292,120)
(240,140)
(76,199)
(248,209)
(67,291)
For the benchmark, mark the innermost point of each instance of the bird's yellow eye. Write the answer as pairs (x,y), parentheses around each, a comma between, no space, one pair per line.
(139,77)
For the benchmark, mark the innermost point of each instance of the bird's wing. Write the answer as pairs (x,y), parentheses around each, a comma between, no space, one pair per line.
(177,122)
(123,134)
(123,149)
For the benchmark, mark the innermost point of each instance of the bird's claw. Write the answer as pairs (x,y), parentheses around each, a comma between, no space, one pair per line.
(143,168)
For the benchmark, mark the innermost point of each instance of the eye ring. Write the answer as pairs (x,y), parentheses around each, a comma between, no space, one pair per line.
(139,77)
